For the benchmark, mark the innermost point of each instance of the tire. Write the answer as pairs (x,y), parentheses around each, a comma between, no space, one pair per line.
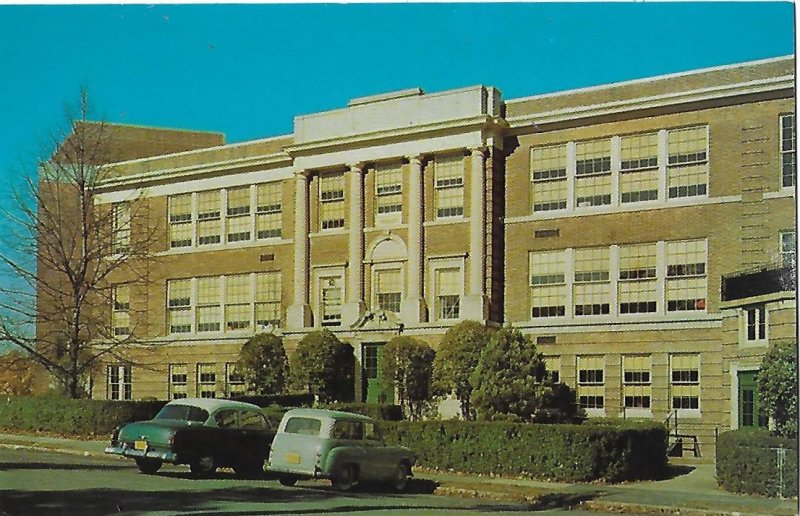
(343,477)
(400,477)
(249,469)
(148,466)
(287,480)
(203,465)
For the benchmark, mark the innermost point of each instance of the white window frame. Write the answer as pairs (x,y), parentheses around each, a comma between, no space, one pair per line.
(674,166)
(387,266)
(395,217)
(318,274)
(595,411)
(121,227)
(115,310)
(124,383)
(230,371)
(200,385)
(551,177)
(342,200)
(172,384)
(784,152)
(789,235)
(447,184)
(435,264)
(760,313)
(272,209)
(637,411)
(686,412)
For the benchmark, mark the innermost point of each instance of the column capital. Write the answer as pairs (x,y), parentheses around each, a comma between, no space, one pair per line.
(302,174)
(356,167)
(418,158)
(475,151)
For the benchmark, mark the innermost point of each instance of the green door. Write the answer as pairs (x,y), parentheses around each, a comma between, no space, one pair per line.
(750,413)
(371,374)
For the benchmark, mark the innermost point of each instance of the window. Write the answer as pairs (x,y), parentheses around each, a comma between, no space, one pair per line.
(303,426)
(636,388)
(331,300)
(252,419)
(268,210)
(234,381)
(268,298)
(548,284)
(592,288)
(209,306)
(593,173)
(225,418)
(549,178)
(238,220)
(686,276)
(639,167)
(209,227)
(447,288)
(206,381)
(788,150)
(388,194)
(388,289)
(348,429)
(687,166)
(120,317)
(591,385)
(685,381)
(449,186)
(180,305)
(237,302)
(637,279)
(180,220)
(788,249)
(178,381)
(119,382)
(121,227)
(331,198)
(755,323)
(553,366)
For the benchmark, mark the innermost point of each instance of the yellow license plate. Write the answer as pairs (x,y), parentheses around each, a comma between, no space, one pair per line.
(293,458)
(140,445)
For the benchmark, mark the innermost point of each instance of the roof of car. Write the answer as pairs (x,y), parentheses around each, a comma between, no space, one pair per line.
(212,404)
(325,413)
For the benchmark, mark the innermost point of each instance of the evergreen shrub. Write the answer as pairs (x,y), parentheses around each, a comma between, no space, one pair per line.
(748,462)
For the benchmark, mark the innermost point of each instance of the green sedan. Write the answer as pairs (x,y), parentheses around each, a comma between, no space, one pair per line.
(203,433)
(343,447)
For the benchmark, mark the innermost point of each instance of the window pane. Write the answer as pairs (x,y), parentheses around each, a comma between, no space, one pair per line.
(449,186)
(687,171)
(388,193)
(388,290)
(332,201)
(592,289)
(548,284)
(268,218)
(593,173)
(788,151)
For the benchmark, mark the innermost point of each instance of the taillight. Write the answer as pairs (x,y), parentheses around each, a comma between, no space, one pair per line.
(171,440)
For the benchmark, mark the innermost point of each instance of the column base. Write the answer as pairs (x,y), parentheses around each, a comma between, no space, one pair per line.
(351,312)
(413,310)
(474,308)
(298,317)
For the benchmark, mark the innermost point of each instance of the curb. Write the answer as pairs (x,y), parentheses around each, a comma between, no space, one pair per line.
(35,447)
(635,508)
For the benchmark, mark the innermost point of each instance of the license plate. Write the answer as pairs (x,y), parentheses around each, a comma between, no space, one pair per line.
(293,458)
(140,445)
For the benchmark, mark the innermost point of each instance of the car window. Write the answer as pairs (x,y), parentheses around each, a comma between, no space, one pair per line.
(252,419)
(225,418)
(372,432)
(182,413)
(303,425)
(344,429)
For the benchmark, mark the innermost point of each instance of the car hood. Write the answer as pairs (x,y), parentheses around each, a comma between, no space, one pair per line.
(156,431)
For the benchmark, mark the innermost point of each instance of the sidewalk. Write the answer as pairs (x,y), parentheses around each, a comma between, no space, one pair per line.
(692,490)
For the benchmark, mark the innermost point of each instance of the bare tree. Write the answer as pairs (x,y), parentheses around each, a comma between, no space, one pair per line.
(70,261)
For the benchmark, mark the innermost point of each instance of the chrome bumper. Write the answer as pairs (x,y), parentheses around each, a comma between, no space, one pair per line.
(124,451)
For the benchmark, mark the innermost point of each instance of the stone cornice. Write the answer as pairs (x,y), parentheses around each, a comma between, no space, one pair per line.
(365,139)
(656,101)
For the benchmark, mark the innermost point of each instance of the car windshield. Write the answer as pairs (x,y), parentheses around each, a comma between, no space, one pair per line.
(183,413)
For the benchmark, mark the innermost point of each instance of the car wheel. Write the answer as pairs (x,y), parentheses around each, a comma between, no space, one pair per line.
(343,477)
(249,469)
(148,466)
(400,478)
(203,465)
(287,480)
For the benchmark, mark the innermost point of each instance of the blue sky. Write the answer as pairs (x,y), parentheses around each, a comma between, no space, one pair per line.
(246,70)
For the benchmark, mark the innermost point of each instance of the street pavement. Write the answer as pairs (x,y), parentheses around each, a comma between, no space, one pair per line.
(690,489)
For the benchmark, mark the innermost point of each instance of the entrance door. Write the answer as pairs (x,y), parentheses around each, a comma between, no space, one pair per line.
(750,413)
(373,391)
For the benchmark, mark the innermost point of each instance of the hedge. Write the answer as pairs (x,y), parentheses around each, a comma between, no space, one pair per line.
(611,452)
(373,410)
(747,462)
(284,400)
(68,416)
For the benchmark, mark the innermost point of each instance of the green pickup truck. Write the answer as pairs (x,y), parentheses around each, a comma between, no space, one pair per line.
(343,447)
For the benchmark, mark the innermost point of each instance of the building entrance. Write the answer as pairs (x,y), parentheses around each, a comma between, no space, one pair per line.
(373,391)
(751,414)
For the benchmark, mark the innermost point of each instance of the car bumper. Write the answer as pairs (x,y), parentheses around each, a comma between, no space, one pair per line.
(124,451)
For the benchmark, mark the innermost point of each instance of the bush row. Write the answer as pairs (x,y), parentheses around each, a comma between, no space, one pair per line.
(373,410)
(748,462)
(284,400)
(611,452)
(68,416)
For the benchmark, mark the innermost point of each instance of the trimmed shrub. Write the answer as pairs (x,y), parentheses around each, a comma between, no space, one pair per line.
(284,400)
(373,410)
(611,452)
(747,462)
(263,364)
(70,416)
(407,368)
(324,366)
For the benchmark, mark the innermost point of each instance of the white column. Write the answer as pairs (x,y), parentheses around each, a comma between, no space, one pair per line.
(299,314)
(412,308)
(355,307)
(475,305)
